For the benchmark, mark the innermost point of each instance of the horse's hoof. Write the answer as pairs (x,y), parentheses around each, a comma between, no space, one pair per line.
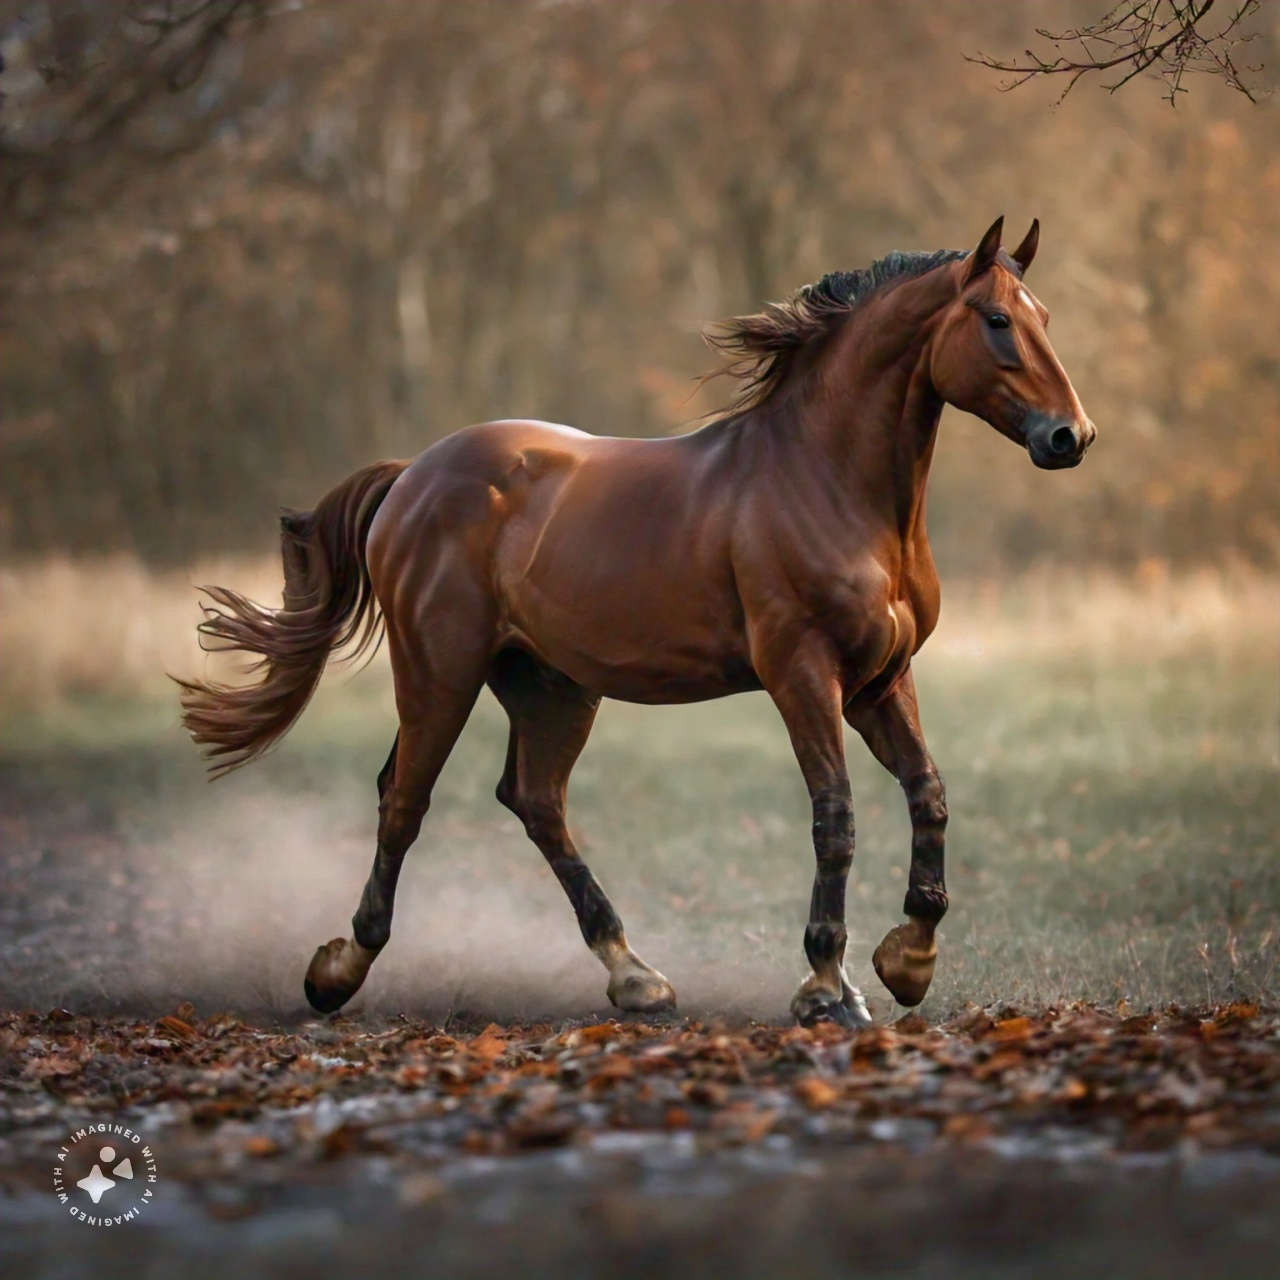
(905,965)
(813,1008)
(643,993)
(323,1001)
(336,972)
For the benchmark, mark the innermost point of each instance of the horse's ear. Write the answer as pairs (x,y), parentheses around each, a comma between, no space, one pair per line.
(1026,251)
(984,255)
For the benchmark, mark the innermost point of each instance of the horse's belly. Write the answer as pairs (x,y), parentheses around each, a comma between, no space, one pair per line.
(655,686)
(643,635)
(628,658)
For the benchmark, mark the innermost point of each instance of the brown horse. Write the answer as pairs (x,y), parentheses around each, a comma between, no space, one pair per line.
(780,547)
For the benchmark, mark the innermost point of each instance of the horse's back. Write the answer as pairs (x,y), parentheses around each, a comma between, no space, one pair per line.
(601,555)
(520,468)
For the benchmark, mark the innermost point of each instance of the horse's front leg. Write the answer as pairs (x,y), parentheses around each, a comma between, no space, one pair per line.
(905,959)
(808,696)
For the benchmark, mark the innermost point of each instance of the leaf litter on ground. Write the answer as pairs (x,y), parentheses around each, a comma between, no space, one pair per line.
(330,1088)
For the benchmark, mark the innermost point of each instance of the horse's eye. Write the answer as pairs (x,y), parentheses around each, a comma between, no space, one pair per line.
(998,320)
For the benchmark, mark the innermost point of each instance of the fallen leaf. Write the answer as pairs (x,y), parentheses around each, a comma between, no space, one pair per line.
(176,1030)
(966,1127)
(489,1045)
(53,1066)
(601,1031)
(816,1093)
(1012,1030)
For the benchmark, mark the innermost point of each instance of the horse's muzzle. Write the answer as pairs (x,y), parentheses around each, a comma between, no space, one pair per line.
(1055,443)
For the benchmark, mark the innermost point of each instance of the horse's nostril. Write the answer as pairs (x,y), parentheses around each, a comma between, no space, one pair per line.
(1063,440)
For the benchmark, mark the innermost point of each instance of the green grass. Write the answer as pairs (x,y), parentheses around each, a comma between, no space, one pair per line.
(1114,828)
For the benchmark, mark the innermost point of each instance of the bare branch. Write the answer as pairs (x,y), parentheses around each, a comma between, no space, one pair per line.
(74,104)
(1168,39)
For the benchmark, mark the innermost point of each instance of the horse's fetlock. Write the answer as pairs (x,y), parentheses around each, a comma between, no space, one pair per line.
(824,943)
(600,923)
(925,902)
(371,935)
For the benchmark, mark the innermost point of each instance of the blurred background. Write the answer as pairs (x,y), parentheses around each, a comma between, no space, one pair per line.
(249,247)
(362,226)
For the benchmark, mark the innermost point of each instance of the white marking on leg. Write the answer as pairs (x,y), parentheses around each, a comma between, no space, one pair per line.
(633,985)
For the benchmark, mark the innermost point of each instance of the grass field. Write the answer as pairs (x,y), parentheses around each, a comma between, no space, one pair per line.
(1110,746)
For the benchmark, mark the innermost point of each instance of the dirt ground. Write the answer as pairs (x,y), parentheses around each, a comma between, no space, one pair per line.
(661,1209)
(1009,1145)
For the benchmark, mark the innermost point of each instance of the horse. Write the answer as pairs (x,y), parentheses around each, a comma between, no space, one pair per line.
(781,546)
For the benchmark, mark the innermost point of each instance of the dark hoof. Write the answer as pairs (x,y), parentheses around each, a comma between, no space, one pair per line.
(336,972)
(323,1001)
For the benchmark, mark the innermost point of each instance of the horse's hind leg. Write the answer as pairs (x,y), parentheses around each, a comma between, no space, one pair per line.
(434,699)
(551,717)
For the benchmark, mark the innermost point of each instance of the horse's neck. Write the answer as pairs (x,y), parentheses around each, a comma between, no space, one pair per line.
(873,418)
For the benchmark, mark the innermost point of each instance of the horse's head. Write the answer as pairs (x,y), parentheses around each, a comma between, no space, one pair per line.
(991,356)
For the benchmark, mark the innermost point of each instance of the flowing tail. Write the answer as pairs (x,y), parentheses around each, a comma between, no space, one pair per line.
(328,603)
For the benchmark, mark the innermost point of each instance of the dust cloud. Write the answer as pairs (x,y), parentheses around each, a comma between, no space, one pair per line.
(218,895)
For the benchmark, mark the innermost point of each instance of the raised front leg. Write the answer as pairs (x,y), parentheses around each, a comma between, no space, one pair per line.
(807,694)
(906,958)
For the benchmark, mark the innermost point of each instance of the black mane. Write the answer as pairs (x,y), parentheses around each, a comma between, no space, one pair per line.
(762,347)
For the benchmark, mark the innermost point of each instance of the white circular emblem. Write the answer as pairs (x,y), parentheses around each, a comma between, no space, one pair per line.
(105,1175)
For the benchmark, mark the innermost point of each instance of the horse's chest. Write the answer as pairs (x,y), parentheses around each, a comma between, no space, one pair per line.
(889,644)
(876,643)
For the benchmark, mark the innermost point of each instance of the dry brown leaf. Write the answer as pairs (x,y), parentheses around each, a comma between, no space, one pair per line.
(1073,1090)
(489,1045)
(616,1066)
(177,1030)
(677,1118)
(411,1076)
(1241,1011)
(706,1093)
(51,1067)
(872,1041)
(1012,1030)
(966,1127)
(601,1031)
(816,1093)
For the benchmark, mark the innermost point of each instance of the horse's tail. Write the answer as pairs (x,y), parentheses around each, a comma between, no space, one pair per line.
(328,603)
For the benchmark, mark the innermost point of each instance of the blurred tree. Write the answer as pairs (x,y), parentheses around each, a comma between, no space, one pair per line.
(85,79)
(376,223)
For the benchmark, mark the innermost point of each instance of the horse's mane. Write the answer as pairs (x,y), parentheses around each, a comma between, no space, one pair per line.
(762,348)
